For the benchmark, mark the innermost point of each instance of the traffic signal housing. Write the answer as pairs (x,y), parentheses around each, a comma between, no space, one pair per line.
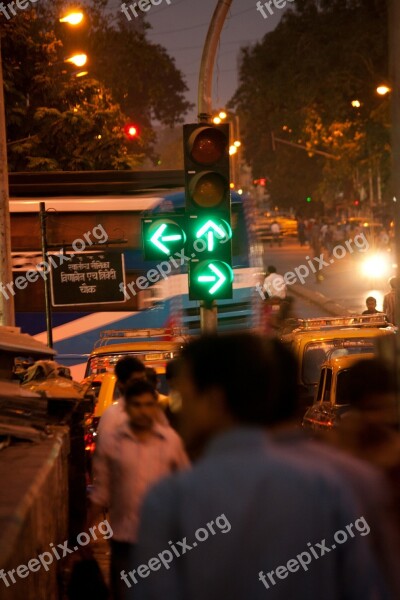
(208,210)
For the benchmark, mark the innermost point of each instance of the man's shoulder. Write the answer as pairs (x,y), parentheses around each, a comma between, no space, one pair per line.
(168,434)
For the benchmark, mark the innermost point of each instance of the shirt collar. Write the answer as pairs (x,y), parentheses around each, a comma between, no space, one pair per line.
(125,430)
(238,438)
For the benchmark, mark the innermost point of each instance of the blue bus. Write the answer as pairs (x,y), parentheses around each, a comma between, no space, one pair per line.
(164,304)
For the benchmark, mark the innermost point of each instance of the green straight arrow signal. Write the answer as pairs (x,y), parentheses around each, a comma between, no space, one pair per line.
(210,278)
(207,228)
(157,240)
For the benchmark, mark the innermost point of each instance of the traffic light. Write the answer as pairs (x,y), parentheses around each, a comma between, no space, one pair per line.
(163,236)
(208,211)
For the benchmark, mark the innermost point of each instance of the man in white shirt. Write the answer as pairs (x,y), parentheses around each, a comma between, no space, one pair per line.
(274,284)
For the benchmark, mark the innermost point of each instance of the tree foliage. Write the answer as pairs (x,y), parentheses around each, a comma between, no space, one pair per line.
(58,121)
(299,83)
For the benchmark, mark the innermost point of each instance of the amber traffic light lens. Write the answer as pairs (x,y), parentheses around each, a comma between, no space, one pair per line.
(208,145)
(208,189)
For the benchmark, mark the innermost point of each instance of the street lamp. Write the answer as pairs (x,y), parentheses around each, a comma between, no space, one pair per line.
(216,120)
(382,90)
(356,104)
(79,60)
(73,18)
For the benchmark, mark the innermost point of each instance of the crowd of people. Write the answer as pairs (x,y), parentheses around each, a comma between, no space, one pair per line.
(238,503)
(328,234)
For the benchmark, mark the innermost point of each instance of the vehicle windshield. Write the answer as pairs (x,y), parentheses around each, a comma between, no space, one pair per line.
(342,396)
(316,353)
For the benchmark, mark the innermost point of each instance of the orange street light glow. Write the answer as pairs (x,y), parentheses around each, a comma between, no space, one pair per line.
(79,60)
(383,90)
(74,18)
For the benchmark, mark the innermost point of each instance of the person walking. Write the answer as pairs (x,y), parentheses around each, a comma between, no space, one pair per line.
(127,462)
(275,295)
(246,509)
(127,370)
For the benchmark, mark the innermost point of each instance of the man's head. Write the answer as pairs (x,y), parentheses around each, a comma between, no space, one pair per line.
(271,269)
(224,381)
(371,303)
(140,404)
(370,385)
(152,377)
(127,370)
(393,282)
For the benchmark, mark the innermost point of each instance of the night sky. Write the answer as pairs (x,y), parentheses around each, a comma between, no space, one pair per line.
(181,28)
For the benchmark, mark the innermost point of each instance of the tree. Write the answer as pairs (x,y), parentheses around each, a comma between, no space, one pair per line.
(58,121)
(300,81)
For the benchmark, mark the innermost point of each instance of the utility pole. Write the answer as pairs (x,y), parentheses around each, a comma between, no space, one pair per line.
(7,314)
(394,67)
(208,311)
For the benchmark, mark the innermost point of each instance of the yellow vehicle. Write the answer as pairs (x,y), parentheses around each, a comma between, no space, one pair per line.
(102,360)
(331,399)
(314,340)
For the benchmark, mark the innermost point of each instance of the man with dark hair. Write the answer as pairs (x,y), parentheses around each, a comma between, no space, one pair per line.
(128,462)
(371,306)
(272,503)
(368,485)
(127,370)
(274,284)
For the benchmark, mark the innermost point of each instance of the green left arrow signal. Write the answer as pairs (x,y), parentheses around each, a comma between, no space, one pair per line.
(218,277)
(157,238)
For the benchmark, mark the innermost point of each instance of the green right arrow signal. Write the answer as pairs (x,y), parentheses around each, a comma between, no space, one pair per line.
(218,277)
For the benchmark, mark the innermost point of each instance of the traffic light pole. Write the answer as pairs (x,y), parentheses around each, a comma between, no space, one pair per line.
(208,311)
(7,315)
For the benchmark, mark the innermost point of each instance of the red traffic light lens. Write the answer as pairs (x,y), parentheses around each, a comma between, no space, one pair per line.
(130,130)
(208,189)
(207,145)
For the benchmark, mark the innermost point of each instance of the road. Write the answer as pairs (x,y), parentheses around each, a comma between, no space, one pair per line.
(343,283)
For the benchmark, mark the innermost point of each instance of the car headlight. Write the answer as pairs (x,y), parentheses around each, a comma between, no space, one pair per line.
(377,265)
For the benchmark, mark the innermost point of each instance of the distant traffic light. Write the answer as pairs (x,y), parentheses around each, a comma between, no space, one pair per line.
(208,210)
(308,198)
(131,131)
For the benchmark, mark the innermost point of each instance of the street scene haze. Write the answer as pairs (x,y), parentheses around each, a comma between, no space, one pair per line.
(199,300)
